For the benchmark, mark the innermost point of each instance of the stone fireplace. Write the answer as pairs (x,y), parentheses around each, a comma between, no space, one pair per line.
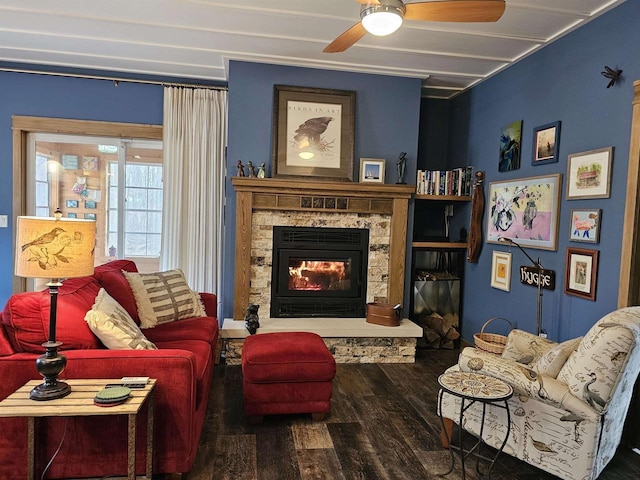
(265,203)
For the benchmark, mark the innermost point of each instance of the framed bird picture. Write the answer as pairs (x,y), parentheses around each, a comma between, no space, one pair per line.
(313,132)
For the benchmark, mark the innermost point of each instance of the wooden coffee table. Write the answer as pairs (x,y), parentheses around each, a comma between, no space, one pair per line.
(79,403)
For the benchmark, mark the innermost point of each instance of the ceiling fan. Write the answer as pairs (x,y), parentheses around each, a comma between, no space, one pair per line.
(383,17)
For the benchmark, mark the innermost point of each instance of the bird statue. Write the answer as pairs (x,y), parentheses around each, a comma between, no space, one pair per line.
(593,398)
(612,75)
(45,239)
(312,129)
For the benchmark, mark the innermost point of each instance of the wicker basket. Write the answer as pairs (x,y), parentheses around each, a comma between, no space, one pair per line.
(491,342)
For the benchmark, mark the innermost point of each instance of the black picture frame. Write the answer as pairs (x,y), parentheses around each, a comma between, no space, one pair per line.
(313,133)
(546,143)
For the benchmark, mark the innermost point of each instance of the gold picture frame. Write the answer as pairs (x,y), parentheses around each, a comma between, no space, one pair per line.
(501,270)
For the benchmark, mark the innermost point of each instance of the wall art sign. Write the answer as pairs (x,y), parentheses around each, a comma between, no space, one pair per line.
(525,210)
(529,276)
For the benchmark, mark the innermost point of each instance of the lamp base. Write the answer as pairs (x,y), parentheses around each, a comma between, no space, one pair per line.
(50,365)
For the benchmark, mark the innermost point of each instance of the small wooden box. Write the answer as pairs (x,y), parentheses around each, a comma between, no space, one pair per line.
(383,314)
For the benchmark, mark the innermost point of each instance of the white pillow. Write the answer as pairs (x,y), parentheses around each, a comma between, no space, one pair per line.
(163,297)
(552,361)
(111,323)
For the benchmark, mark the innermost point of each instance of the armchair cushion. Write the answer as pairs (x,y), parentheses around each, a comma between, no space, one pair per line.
(114,326)
(524,347)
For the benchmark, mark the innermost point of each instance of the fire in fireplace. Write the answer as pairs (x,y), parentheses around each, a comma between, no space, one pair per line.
(319,272)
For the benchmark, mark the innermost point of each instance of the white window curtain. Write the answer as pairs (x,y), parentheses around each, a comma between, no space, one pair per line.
(195,138)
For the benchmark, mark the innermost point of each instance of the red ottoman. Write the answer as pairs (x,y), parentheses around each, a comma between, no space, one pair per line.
(289,372)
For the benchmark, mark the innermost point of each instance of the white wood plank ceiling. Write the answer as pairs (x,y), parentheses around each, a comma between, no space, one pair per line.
(195,39)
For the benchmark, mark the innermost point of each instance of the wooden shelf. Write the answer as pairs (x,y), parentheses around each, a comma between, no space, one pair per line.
(449,245)
(447,198)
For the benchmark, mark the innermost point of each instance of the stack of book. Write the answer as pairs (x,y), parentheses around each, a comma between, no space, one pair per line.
(456,182)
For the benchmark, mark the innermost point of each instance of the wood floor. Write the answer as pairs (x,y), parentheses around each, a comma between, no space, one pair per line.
(383,425)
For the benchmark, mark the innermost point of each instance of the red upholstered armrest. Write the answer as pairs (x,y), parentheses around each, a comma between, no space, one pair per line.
(210,302)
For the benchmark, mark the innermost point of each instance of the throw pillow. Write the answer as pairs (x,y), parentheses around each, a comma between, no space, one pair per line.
(163,297)
(111,323)
(552,361)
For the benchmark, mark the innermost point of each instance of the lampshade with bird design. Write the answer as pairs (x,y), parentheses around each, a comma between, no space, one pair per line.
(54,248)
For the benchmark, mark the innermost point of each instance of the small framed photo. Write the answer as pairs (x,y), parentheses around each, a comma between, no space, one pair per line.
(89,204)
(90,216)
(589,174)
(70,162)
(585,225)
(90,164)
(72,215)
(581,272)
(72,203)
(546,142)
(501,270)
(372,170)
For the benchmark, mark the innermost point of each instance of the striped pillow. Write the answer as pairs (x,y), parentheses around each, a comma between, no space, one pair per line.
(115,328)
(163,297)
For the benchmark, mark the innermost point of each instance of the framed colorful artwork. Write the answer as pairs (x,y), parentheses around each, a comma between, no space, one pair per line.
(546,142)
(501,270)
(70,162)
(589,174)
(510,143)
(585,225)
(90,164)
(581,272)
(71,203)
(313,132)
(525,210)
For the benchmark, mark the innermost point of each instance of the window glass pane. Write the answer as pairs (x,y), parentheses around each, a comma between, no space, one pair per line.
(135,244)
(113,174)
(155,200)
(42,194)
(137,175)
(112,227)
(135,222)
(112,241)
(154,222)
(136,199)
(41,168)
(113,197)
(42,211)
(153,245)
(155,176)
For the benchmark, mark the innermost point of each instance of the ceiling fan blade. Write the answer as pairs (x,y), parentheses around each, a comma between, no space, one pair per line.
(347,39)
(367,2)
(456,11)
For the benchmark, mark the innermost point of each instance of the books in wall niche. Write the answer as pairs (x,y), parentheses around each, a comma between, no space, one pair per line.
(456,182)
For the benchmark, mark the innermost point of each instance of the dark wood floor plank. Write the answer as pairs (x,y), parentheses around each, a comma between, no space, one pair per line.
(319,464)
(275,450)
(235,458)
(357,457)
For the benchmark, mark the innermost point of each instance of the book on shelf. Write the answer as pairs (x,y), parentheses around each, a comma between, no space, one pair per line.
(456,182)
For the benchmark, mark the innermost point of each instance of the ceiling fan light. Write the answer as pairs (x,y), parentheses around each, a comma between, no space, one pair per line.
(381,20)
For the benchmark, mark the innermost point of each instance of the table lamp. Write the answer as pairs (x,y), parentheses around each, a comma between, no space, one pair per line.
(54,248)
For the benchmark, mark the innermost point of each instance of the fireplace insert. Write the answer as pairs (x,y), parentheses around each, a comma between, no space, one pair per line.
(319,272)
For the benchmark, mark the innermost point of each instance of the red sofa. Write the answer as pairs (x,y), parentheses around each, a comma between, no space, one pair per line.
(96,446)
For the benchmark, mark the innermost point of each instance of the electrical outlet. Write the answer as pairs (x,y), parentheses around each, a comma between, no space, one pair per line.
(4,221)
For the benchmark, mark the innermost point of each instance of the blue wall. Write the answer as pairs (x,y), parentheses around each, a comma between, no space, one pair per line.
(61,97)
(561,82)
(387,119)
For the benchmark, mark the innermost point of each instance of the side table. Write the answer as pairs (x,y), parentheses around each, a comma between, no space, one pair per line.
(474,388)
(80,403)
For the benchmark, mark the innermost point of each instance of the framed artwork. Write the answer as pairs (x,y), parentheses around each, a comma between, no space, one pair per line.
(501,270)
(372,170)
(72,215)
(90,216)
(585,225)
(525,210)
(70,162)
(89,204)
(90,164)
(589,174)
(72,203)
(313,132)
(581,273)
(546,142)
(510,142)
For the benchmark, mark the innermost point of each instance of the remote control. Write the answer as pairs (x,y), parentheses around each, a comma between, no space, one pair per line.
(134,380)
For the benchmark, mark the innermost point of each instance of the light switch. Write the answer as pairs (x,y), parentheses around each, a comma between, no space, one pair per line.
(4,221)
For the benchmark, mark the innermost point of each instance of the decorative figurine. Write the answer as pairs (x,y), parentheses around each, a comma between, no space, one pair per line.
(240,169)
(251,168)
(261,170)
(402,167)
(251,320)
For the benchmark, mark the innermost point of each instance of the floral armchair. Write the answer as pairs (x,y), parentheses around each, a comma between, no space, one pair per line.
(570,399)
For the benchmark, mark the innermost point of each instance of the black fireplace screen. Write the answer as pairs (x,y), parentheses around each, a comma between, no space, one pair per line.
(319,272)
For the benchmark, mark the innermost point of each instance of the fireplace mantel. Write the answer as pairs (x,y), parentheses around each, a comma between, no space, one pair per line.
(253,194)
